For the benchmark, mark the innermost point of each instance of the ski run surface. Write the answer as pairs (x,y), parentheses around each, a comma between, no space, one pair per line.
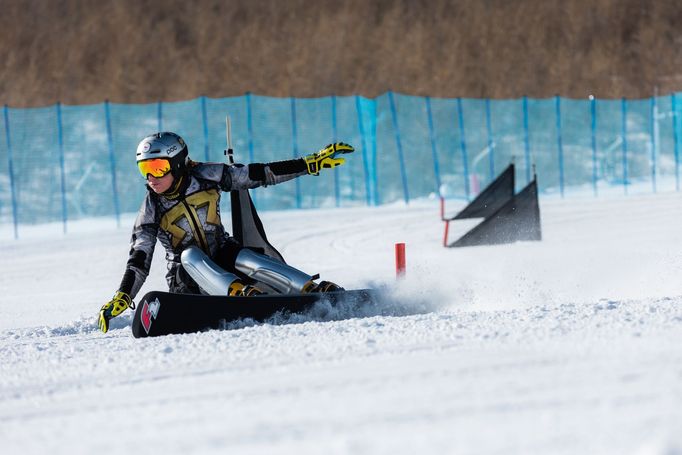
(569,345)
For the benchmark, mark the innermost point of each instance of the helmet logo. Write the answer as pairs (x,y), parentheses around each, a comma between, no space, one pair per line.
(171,149)
(146,147)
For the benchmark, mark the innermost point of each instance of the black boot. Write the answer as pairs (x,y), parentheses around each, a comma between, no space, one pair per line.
(239,289)
(326,286)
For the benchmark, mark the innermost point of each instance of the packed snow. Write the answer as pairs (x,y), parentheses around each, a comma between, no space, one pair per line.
(569,345)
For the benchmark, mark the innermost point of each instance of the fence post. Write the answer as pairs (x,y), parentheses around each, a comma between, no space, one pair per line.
(526,138)
(112,161)
(15,211)
(337,190)
(673,102)
(463,146)
(249,127)
(624,127)
(491,142)
(593,129)
(652,116)
(204,118)
(294,136)
(560,145)
(403,171)
(434,151)
(363,136)
(159,115)
(60,138)
(249,124)
(373,135)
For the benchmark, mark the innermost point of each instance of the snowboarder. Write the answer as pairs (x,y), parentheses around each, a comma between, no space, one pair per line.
(182,210)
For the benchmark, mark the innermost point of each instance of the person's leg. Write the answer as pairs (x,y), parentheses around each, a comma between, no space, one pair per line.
(179,281)
(278,275)
(211,278)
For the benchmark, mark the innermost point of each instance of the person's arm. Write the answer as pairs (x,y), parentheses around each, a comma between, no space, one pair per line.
(139,259)
(253,175)
(142,245)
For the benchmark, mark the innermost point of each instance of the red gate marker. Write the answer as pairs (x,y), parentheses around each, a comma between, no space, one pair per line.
(399,260)
(445,234)
(475,185)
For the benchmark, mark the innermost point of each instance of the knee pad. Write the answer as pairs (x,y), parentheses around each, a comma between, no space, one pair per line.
(206,273)
(276,274)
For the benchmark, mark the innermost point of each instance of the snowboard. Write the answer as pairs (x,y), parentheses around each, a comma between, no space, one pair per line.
(163,313)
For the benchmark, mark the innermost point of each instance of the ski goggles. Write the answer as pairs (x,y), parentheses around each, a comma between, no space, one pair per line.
(157,167)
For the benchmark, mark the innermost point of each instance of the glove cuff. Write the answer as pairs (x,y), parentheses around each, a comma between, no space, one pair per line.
(312,164)
(120,295)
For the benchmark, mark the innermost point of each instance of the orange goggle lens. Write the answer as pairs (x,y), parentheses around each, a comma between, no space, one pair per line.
(158,167)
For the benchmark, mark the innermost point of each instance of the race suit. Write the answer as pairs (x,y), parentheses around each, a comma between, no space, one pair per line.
(192,217)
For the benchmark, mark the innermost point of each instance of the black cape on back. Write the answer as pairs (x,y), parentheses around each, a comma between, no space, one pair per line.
(247,228)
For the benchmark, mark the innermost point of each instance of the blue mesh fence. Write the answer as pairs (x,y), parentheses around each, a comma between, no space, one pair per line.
(63,163)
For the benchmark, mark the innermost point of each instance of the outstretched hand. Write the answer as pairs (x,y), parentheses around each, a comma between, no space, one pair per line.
(326,158)
(113,308)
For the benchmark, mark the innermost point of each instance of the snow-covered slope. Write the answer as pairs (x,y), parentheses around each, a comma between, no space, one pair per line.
(570,345)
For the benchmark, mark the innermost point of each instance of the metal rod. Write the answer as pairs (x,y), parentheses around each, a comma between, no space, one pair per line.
(652,120)
(249,127)
(112,163)
(491,141)
(294,134)
(228,140)
(249,124)
(593,129)
(337,189)
(434,151)
(228,131)
(560,145)
(673,102)
(159,115)
(60,137)
(374,159)
(526,137)
(396,129)
(463,147)
(12,185)
(204,120)
(624,127)
(363,136)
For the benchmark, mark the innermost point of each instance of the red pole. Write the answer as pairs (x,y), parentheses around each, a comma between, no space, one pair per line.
(447,222)
(475,184)
(399,260)
(445,236)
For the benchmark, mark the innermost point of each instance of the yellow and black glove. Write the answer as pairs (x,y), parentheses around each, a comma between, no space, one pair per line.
(326,158)
(113,308)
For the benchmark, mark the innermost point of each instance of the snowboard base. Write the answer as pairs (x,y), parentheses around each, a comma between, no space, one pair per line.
(163,313)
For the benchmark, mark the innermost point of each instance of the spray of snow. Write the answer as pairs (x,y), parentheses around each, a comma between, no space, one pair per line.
(569,345)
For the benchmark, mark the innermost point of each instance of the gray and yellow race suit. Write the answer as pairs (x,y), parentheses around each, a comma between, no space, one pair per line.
(192,215)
